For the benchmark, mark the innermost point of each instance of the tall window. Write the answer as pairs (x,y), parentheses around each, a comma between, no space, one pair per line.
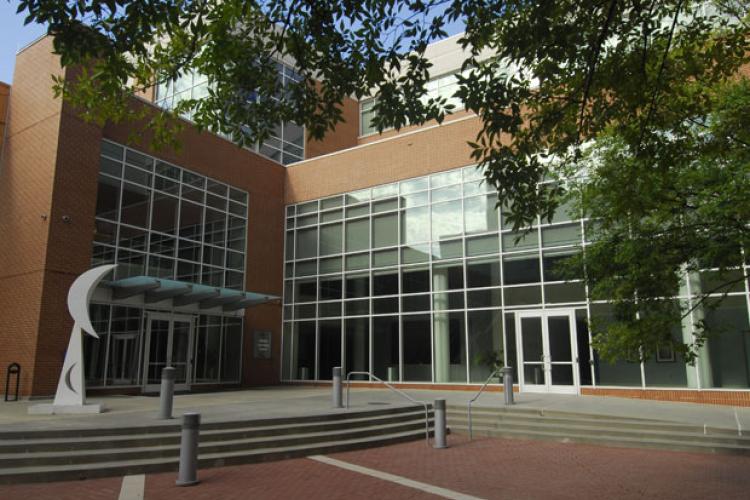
(160,220)
(287,142)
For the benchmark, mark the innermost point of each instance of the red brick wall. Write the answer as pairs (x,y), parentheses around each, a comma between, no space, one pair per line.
(50,172)
(26,181)
(407,155)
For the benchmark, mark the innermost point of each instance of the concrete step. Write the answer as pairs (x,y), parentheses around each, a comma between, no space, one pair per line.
(226,433)
(138,466)
(521,411)
(121,454)
(162,426)
(487,418)
(677,433)
(56,455)
(663,443)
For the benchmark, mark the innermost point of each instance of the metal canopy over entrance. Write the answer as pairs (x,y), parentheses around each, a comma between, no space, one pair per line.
(169,294)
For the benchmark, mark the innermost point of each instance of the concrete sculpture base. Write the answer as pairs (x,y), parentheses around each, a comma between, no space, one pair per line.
(53,409)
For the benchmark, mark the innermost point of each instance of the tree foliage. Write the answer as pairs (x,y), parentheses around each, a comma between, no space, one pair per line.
(638,101)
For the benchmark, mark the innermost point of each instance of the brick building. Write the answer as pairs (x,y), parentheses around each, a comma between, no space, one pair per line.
(242,267)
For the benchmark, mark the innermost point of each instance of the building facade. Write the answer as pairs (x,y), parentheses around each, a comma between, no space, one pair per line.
(381,253)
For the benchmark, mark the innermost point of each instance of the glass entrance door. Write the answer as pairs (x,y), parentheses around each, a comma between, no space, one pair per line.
(168,341)
(547,351)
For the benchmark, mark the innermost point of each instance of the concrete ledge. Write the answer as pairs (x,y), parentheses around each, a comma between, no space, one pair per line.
(51,409)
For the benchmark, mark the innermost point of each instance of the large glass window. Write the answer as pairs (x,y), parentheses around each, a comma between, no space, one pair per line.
(160,220)
(287,141)
(434,276)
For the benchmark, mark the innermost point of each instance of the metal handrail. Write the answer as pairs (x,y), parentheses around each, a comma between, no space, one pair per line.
(481,389)
(401,393)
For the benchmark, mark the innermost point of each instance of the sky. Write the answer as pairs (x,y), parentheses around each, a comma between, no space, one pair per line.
(13,36)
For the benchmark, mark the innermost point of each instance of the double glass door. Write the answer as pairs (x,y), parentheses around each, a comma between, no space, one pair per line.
(548,354)
(169,338)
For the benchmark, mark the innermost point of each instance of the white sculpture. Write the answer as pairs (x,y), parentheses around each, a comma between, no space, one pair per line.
(71,388)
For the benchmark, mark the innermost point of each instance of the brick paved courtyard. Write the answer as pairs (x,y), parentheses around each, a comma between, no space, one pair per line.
(484,468)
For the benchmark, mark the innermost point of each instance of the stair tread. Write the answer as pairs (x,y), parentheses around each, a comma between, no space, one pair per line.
(162,426)
(702,443)
(176,446)
(686,429)
(207,432)
(10,471)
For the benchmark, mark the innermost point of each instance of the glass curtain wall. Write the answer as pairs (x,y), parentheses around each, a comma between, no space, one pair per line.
(432,273)
(157,219)
(287,142)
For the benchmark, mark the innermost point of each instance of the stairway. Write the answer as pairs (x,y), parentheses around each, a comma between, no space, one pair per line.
(605,430)
(56,455)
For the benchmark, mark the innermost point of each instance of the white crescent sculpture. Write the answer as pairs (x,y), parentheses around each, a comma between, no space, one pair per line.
(71,388)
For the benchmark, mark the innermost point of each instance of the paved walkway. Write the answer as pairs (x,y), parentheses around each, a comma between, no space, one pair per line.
(286,401)
(485,468)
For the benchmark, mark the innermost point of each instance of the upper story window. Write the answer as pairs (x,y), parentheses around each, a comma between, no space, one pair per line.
(157,219)
(442,86)
(287,142)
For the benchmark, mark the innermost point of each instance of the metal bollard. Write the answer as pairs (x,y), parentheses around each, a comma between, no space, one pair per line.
(441,428)
(337,403)
(188,473)
(166,394)
(508,384)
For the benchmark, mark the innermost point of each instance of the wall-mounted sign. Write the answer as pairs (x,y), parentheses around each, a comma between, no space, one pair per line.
(262,344)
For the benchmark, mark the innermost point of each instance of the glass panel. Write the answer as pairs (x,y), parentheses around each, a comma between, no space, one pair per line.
(330,239)
(387,305)
(330,347)
(415,254)
(286,359)
(158,356)
(482,245)
(558,328)
(180,348)
(415,225)
(620,373)
(385,258)
(385,230)
(449,342)
(191,220)
(531,339)
(95,350)
(330,288)
(304,350)
(357,235)
(519,269)
(415,280)
(416,348)
(448,249)
(359,261)
(307,243)
(415,303)
(729,344)
(107,198)
(385,283)
(568,234)
(207,349)
(332,265)
(357,286)
(446,220)
(485,343)
(482,273)
(164,217)
(527,241)
(231,351)
(480,214)
(304,290)
(561,375)
(385,356)
(135,205)
(523,295)
(357,342)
